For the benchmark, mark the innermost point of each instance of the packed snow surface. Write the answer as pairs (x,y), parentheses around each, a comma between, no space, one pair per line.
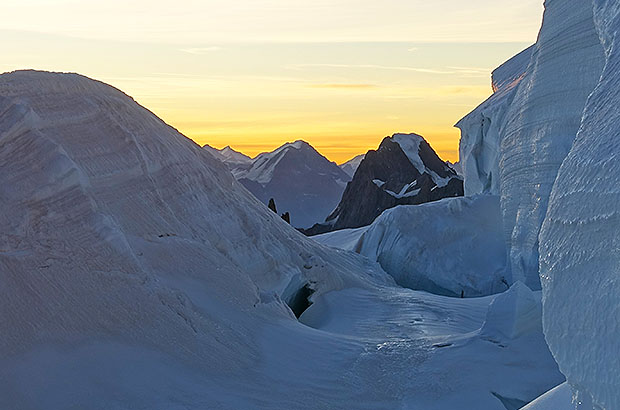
(137,273)
(449,247)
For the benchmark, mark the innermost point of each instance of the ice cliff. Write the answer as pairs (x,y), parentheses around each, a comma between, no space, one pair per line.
(558,166)
(479,148)
(580,245)
(515,142)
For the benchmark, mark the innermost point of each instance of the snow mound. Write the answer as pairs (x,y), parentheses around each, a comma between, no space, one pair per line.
(513,313)
(580,248)
(448,247)
(123,243)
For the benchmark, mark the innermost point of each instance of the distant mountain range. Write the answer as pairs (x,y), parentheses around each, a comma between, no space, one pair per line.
(351,165)
(301,181)
(404,170)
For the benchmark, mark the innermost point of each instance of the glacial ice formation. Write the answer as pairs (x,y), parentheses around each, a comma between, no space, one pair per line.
(525,130)
(541,125)
(479,147)
(579,242)
(453,246)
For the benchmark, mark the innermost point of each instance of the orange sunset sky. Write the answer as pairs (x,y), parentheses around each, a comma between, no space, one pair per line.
(253,74)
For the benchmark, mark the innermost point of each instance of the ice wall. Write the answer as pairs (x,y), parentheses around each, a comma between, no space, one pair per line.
(579,241)
(480,129)
(541,125)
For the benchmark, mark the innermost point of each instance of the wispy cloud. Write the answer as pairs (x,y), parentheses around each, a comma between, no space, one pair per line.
(345,86)
(469,90)
(370,67)
(472,71)
(412,49)
(201,50)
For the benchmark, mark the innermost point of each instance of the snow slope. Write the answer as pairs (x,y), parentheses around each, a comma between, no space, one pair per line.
(426,351)
(351,165)
(446,247)
(558,398)
(135,272)
(580,246)
(302,182)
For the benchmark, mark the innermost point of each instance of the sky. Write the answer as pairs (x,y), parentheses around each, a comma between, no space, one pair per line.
(254,74)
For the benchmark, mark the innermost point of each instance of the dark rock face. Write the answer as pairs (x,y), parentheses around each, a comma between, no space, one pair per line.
(272,205)
(386,178)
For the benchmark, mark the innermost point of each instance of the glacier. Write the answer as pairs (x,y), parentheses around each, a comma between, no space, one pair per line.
(513,144)
(580,248)
(558,156)
(541,124)
(479,146)
(136,272)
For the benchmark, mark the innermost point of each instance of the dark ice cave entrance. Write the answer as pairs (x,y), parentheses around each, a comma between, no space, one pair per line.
(300,301)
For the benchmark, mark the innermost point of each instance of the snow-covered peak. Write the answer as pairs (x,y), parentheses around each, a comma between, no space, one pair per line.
(423,158)
(351,165)
(410,144)
(301,180)
(234,156)
(265,164)
(229,155)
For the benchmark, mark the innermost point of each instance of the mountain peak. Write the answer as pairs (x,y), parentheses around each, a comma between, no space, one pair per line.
(404,170)
(298,144)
